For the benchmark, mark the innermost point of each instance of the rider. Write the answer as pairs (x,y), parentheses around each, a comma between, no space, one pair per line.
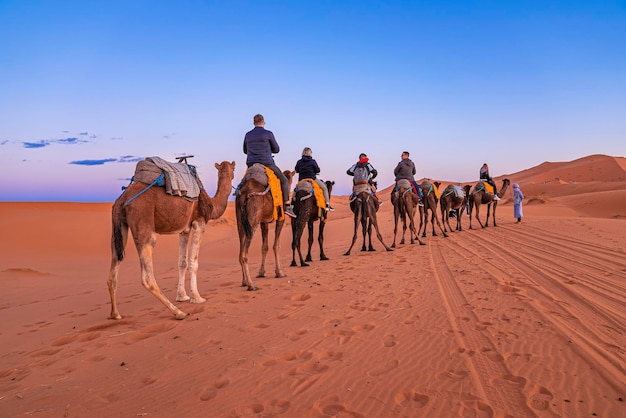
(406,170)
(369,173)
(307,168)
(484,175)
(259,144)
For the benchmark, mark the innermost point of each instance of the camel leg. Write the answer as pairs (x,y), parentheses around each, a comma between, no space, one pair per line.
(112,283)
(425,223)
(488,213)
(115,268)
(197,232)
(367,234)
(244,246)
(436,219)
(310,239)
(279,227)
(320,239)
(183,245)
(264,248)
(395,227)
(495,204)
(477,215)
(297,230)
(412,228)
(357,220)
(144,248)
(293,244)
(374,221)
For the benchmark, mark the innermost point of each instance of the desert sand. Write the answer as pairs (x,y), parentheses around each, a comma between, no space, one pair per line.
(518,320)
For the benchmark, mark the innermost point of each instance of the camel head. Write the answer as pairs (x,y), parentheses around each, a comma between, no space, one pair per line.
(290,175)
(329,185)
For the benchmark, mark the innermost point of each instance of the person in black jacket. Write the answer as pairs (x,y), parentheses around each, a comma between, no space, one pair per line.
(406,170)
(258,145)
(307,168)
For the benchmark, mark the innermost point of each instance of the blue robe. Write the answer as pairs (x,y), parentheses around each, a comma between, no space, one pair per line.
(518,197)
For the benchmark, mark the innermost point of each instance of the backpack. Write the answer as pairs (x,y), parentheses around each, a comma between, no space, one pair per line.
(361,174)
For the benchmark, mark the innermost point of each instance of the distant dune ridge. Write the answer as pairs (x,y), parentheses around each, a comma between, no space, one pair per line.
(522,320)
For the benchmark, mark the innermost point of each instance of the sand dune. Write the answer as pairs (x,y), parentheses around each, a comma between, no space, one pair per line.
(519,320)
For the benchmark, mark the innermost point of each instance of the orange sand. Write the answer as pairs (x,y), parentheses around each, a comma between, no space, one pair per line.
(519,320)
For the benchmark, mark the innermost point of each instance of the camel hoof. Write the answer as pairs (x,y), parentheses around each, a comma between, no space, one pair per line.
(304,265)
(372,249)
(422,243)
(197,300)
(394,245)
(252,288)
(181,315)
(243,284)
(308,258)
(280,275)
(324,258)
(182,298)
(348,253)
(293,264)
(115,316)
(260,276)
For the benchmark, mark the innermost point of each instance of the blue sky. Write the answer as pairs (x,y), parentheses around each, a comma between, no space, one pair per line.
(87,88)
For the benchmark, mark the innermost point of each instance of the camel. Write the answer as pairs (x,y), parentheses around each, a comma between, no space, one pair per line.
(305,206)
(151,211)
(430,203)
(364,206)
(405,203)
(254,206)
(449,201)
(479,196)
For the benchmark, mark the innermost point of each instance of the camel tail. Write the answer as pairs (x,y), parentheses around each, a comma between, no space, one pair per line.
(245,222)
(117,237)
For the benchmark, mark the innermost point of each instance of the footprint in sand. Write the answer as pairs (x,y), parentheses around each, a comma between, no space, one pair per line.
(476,409)
(510,381)
(453,374)
(209,392)
(540,398)
(301,297)
(389,340)
(295,335)
(363,327)
(411,399)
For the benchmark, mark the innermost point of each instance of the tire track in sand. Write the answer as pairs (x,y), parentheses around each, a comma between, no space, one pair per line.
(505,398)
(553,301)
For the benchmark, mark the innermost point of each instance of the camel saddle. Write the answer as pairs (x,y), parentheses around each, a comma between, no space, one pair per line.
(180,179)
(486,186)
(311,186)
(266,177)
(431,188)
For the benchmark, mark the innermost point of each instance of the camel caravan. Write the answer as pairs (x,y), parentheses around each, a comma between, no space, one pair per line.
(169,198)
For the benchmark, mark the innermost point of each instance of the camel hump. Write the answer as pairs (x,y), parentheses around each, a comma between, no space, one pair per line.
(305,185)
(403,183)
(257,172)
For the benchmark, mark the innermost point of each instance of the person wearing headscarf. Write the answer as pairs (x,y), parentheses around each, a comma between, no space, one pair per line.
(518,198)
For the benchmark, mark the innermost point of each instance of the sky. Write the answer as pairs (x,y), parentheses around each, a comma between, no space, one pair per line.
(88,88)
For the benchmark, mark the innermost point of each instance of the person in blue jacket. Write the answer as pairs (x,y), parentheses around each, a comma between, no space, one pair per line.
(259,144)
